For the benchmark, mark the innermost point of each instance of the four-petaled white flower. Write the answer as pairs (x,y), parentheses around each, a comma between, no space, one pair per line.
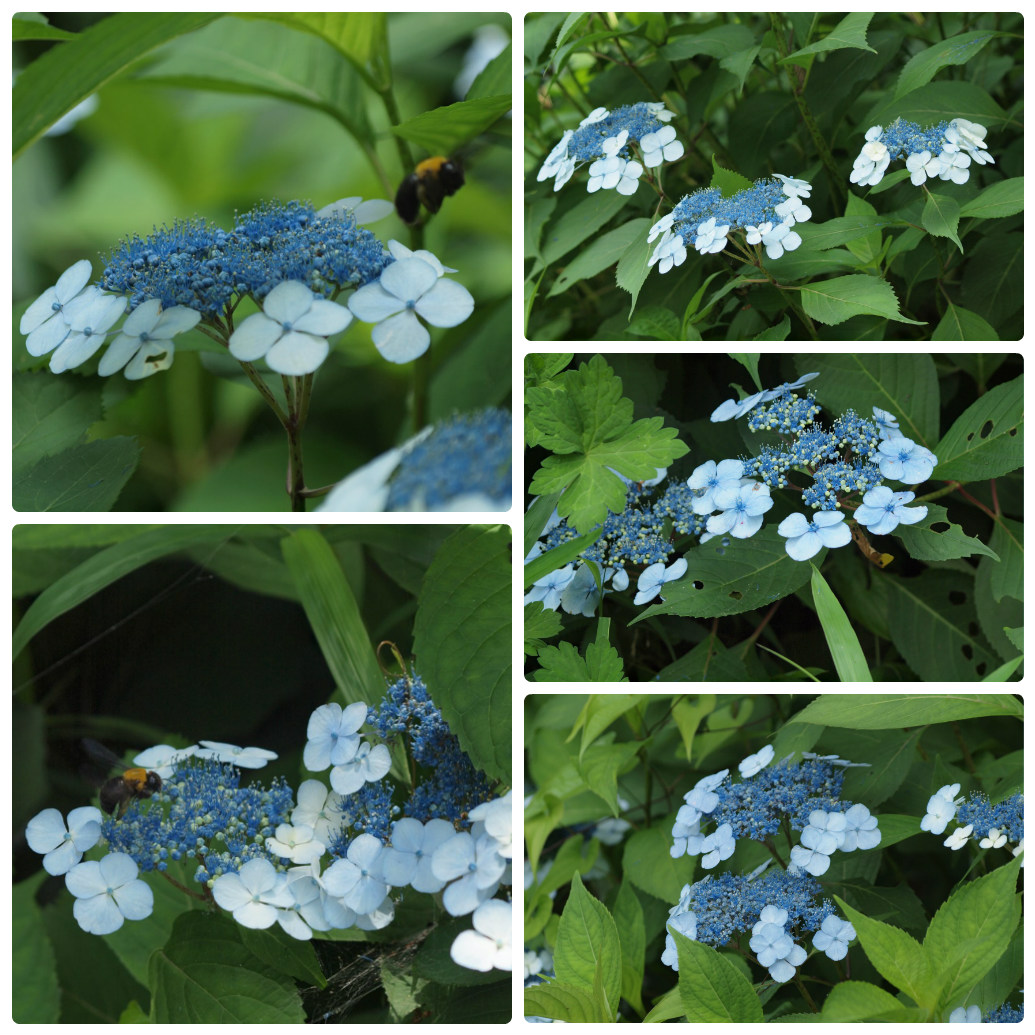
(487,946)
(959,837)
(107,893)
(408,289)
(757,762)
(332,735)
(805,538)
(653,578)
(558,166)
(62,847)
(253,894)
(242,757)
(357,879)
(779,239)
(295,842)
(670,252)
(660,146)
(993,839)
(291,331)
(367,765)
(710,237)
(868,169)
(407,860)
(883,510)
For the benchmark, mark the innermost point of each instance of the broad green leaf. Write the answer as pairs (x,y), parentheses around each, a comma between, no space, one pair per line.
(23,28)
(941,217)
(602,764)
(749,361)
(586,937)
(935,538)
(740,64)
(850,1001)
(999,983)
(687,713)
(971,930)
(62,77)
(959,324)
(1004,672)
(834,301)
(726,180)
(993,276)
(842,641)
(542,816)
(850,32)
(711,988)
(88,476)
(778,332)
(35,992)
(894,829)
(866,249)
(580,223)
(733,578)
(897,904)
(889,756)
(937,102)
(894,711)
(668,1007)
(896,955)
(632,270)
(204,974)
(655,322)
(842,229)
(1005,198)
(904,384)
(540,624)
(807,262)
(720,41)
(564,664)
(443,130)
(922,67)
(1008,576)
(561,1002)
(462,642)
(50,414)
(598,713)
(987,439)
(647,864)
(107,566)
(628,915)
(333,613)
(495,78)
(604,252)
(574,856)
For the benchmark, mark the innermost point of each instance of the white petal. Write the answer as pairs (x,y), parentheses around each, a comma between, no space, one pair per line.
(401,338)
(151,358)
(408,279)
(371,303)
(296,354)
(446,304)
(323,319)
(288,301)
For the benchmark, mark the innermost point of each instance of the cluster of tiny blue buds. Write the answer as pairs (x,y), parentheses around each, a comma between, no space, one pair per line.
(201,266)
(465,456)
(209,818)
(788,414)
(1007,816)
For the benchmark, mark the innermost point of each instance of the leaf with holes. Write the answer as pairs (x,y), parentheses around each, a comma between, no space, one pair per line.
(987,439)
(936,538)
(934,625)
(729,576)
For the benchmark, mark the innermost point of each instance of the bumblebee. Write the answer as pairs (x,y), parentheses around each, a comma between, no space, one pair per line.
(117,793)
(433,179)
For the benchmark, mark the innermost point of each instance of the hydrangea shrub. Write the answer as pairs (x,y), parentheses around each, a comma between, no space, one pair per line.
(749,858)
(843,175)
(858,520)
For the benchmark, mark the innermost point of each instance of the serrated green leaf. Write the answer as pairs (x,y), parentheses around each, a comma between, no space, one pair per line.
(580,223)
(851,1001)
(647,863)
(937,102)
(922,67)
(628,915)
(443,130)
(941,217)
(778,332)
(600,766)
(720,41)
(1005,198)
(633,269)
(959,324)
(1008,576)
(564,664)
(88,476)
(655,322)
(604,252)
(936,538)
(711,988)
(850,32)
(599,711)
(834,301)
(748,573)
(727,181)
(866,249)
(540,624)
(587,938)
(740,64)
(987,439)
(561,1002)
(50,414)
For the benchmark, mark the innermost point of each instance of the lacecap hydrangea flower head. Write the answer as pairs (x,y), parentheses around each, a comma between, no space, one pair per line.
(944,151)
(618,144)
(290,259)
(766,212)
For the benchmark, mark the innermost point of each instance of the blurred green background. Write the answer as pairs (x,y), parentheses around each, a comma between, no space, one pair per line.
(153,152)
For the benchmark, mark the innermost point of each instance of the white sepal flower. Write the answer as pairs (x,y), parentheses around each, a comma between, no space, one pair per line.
(487,946)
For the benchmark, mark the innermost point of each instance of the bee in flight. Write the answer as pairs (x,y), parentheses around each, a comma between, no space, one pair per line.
(117,792)
(433,179)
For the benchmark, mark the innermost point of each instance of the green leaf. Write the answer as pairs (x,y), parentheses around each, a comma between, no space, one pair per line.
(655,322)
(834,301)
(987,439)
(957,50)
(959,324)
(711,988)
(720,41)
(971,930)
(24,28)
(992,278)
(646,862)
(941,217)
(599,712)
(628,915)
(462,642)
(749,361)
(205,975)
(851,1001)
(730,579)
(740,64)
(540,624)
(602,764)
(904,384)
(894,711)
(62,77)
(1005,198)
(604,252)
(89,476)
(443,130)
(50,414)
(894,829)
(632,270)
(587,938)
(580,223)
(778,332)
(938,539)
(687,714)
(896,955)
(850,32)
(727,181)
(1008,576)
(591,424)
(848,656)
(564,664)
(106,567)
(561,1002)
(559,556)
(835,232)
(866,249)
(999,983)
(937,102)
(495,78)
(898,904)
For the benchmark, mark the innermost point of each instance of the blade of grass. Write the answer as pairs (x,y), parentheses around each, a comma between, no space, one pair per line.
(848,656)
